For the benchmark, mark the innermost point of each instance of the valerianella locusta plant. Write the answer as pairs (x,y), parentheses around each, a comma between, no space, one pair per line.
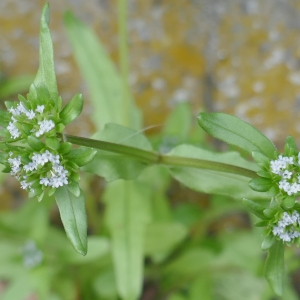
(33,152)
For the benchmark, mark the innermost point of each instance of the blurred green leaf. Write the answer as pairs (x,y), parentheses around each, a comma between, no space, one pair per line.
(105,285)
(115,166)
(179,121)
(234,131)
(162,237)
(73,216)
(202,287)
(238,285)
(186,267)
(102,79)
(176,296)
(98,247)
(127,213)
(18,289)
(46,72)
(274,267)
(214,182)
(14,85)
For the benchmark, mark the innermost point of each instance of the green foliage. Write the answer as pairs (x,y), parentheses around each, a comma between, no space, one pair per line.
(101,77)
(72,110)
(73,215)
(236,132)
(274,269)
(127,205)
(46,73)
(214,182)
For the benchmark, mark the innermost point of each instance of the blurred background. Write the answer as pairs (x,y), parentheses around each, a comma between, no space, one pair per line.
(236,56)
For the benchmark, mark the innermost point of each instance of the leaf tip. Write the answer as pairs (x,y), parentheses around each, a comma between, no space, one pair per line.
(46,13)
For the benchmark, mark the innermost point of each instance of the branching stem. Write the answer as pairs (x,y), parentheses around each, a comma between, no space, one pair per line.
(151,157)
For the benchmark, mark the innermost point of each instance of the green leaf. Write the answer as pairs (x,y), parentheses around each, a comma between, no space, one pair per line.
(127,213)
(264,174)
(18,289)
(290,147)
(35,143)
(15,85)
(264,223)
(161,237)
(268,242)
(255,208)
(261,159)
(202,287)
(72,110)
(236,132)
(52,143)
(4,118)
(113,166)
(73,216)
(81,156)
(64,148)
(274,267)
(101,77)
(270,212)
(289,202)
(46,72)
(98,248)
(189,264)
(74,188)
(3,158)
(179,122)
(260,184)
(214,182)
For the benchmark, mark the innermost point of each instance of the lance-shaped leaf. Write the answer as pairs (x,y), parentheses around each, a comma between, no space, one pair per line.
(81,156)
(274,267)
(255,208)
(73,216)
(260,184)
(72,110)
(35,143)
(103,81)
(236,132)
(127,213)
(214,182)
(46,72)
(268,242)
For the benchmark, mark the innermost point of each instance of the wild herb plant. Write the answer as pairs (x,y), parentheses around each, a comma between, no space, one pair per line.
(37,152)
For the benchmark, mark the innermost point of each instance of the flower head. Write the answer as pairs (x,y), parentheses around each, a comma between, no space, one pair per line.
(288,227)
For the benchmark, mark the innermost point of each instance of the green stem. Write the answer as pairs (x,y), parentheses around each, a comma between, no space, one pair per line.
(150,157)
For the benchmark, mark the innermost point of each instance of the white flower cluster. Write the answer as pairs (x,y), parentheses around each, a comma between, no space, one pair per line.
(44,125)
(290,182)
(55,175)
(285,228)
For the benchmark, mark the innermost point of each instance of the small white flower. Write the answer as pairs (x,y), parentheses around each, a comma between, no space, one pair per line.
(30,114)
(45,126)
(287,174)
(40,109)
(45,181)
(13,130)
